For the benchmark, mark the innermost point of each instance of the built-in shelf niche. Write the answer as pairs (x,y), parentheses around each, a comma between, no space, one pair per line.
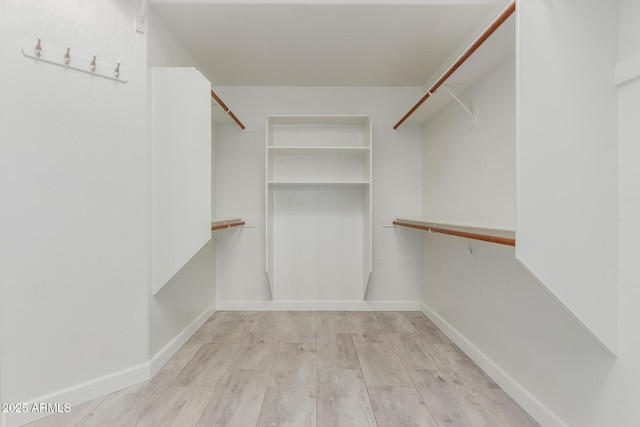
(318,182)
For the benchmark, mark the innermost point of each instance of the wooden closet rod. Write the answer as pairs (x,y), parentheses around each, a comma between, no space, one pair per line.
(467,53)
(226,109)
(484,237)
(225,226)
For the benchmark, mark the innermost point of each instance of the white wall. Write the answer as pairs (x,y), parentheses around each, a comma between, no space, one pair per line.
(520,333)
(567,155)
(468,162)
(629,33)
(623,392)
(74,203)
(77,319)
(191,291)
(515,330)
(240,175)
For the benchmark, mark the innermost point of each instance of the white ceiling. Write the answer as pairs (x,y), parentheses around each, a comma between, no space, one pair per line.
(325,43)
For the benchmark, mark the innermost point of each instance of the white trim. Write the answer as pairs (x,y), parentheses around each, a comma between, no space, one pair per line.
(101,386)
(521,395)
(84,392)
(627,69)
(331,2)
(158,360)
(244,305)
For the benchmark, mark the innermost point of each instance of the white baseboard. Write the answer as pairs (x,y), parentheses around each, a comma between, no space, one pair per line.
(97,387)
(84,392)
(158,360)
(290,305)
(526,400)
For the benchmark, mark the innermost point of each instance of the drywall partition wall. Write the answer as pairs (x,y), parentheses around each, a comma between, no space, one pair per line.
(624,391)
(520,333)
(74,175)
(526,339)
(567,155)
(181,306)
(629,31)
(190,295)
(480,295)
(469,162)
(181,168)
(397,164)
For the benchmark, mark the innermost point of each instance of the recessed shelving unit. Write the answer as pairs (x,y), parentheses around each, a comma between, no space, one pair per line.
(318,210)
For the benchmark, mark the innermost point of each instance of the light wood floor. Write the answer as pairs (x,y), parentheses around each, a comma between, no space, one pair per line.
(309,369)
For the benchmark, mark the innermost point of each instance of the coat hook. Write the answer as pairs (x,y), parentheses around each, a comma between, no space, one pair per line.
(116,72)
(93,63)
(39,48)
(67,56)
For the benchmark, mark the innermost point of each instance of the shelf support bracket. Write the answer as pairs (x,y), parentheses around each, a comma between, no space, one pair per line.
(462,104)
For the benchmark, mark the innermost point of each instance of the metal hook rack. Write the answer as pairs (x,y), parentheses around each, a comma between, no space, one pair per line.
(38,49)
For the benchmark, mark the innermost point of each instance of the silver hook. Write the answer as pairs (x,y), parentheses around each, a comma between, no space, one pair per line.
(67,56)
(93,63)
(39,48)
(117,71)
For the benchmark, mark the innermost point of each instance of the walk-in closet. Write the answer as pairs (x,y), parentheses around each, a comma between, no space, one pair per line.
(319,213)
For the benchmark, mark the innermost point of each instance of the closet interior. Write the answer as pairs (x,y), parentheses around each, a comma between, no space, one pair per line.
(383,204)
(468,161)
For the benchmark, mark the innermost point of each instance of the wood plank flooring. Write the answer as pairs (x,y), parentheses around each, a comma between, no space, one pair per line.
(309,369)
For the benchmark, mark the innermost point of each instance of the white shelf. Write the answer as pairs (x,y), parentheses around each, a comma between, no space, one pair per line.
(318,183)
(319,131)
(494,230)
(313,151)
(327,120)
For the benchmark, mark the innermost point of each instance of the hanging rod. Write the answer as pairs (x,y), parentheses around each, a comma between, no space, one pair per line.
(506,13)
(475,236)
(225,226)
(226,109)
